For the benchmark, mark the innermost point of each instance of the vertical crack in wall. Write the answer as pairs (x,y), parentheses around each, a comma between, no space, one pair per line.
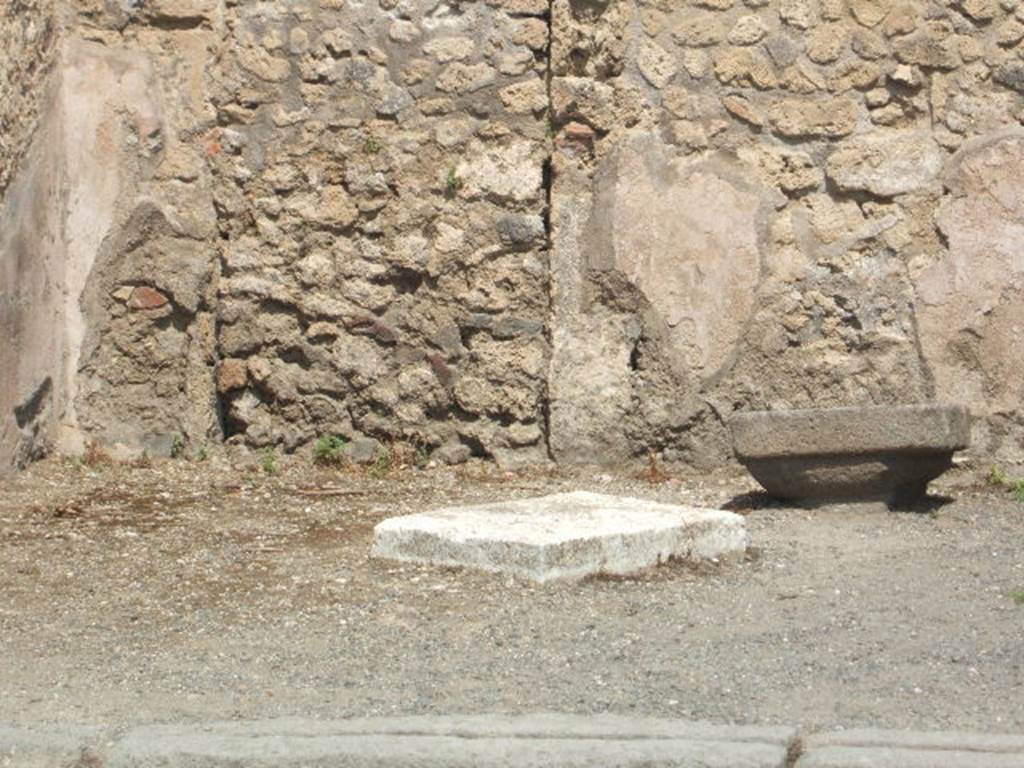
(219,398)
(214,144)
(549,183)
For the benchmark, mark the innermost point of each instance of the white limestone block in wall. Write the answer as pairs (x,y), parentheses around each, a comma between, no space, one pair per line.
(565,536)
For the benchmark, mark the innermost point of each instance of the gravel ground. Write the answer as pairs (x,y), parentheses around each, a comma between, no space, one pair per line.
(183,591)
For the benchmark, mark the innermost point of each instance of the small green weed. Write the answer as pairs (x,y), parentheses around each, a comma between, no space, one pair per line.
(996,476)
(330,449)
(1017,489)
(371,146)
(422,455)
(177,447)
(383,464)
(269,462)
(1017,596)
(453,181)
(203,452)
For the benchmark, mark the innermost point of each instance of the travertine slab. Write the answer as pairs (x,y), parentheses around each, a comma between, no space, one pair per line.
(565,536)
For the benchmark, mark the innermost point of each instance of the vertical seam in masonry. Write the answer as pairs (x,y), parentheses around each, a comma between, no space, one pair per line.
(548,177)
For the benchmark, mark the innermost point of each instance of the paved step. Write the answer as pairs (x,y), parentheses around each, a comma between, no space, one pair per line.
(457,742)
(870,748)
(481,741)
(495,741)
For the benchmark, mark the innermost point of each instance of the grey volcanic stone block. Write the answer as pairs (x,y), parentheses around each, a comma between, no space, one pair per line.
(887,453)
(895,749)
(565,536)
(484,741)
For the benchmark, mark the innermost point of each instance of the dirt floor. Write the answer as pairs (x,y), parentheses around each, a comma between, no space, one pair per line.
(187,590)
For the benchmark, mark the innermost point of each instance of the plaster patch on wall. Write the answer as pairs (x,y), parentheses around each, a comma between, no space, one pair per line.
(972,298)
(689,237)
(108,110)
(655,257)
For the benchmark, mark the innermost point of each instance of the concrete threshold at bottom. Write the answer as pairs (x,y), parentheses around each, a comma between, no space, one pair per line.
(450,752)
(471,741)
(872,748)
(494,741)
(484,741)
(49,746)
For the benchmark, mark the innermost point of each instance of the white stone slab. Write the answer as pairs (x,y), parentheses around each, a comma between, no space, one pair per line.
(565,536)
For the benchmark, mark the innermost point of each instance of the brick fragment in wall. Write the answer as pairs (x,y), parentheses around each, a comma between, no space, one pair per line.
(144,297)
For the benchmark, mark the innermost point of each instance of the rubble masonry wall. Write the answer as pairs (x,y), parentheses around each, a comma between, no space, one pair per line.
(589,229)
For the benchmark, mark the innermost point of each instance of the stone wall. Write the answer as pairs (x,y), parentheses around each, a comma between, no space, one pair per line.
(147,358)
(782,203)
(28,38)
(381,195)
(107,249)
(29,35)
(589,229)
